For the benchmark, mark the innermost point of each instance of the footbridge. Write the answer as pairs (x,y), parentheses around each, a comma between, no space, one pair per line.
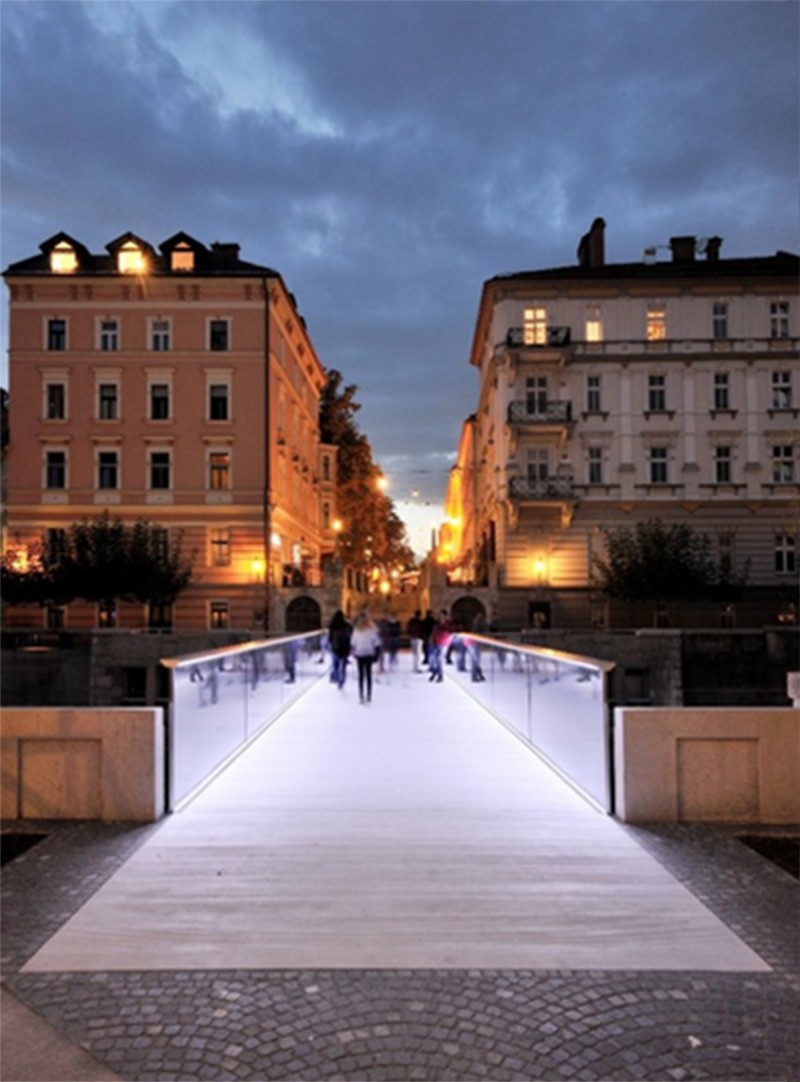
(453,825)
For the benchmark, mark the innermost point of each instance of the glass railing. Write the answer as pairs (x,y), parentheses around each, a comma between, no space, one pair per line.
(222,699)
(555,701)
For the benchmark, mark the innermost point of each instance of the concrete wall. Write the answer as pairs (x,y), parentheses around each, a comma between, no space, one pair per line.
(83,764)
(712,764)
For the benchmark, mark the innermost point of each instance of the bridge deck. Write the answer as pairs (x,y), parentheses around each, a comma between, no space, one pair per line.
(415,832)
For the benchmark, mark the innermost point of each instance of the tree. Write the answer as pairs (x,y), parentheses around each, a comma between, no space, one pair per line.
(102,560)
(373,534)
(659,563)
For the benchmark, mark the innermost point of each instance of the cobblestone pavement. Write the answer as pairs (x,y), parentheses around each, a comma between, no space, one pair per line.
(422,1025)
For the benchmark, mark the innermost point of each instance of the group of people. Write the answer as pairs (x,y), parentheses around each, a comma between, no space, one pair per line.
(432,640)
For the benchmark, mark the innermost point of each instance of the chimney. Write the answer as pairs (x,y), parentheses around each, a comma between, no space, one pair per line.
(592,247)
(683,249)
(713,245)
(225,252)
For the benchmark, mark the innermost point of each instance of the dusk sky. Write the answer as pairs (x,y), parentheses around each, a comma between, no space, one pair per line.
(388,157)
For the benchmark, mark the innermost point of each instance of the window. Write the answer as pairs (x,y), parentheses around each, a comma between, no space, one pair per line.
(781,390)
(658,466)
(55,617)
(779,319)
(218,402)
(160,335)
(326,515)
(63,259)
(657,393)
(594,323)
(131,259)
(181,258)
(538,465)
(219,615)
(159,615)
(219,543)
(106,614)
(326,468)
(593,397)
(534,331)
(595,458)
(55,401)
(109,335)
(55,543)
(722,465)
(159,402)
(719,319)
(722,400)
(107,470)
(536,395)
(785,554)
(55,471)
(57,334)
(108,402)
(219,471)
(656,323)
(218,335)
(783,463)
(160,469)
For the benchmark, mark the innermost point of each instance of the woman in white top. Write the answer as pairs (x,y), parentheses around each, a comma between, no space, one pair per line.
(365,643)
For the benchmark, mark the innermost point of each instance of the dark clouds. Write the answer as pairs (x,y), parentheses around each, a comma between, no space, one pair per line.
(388,157)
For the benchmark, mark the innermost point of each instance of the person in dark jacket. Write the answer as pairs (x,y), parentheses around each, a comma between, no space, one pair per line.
(339,635)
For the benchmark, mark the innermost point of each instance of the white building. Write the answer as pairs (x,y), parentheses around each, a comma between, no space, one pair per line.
(616,393)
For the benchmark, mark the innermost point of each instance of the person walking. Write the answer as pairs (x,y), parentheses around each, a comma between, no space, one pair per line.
(440,637)
(428,624)
(339,635)
(366,642)
(415,637)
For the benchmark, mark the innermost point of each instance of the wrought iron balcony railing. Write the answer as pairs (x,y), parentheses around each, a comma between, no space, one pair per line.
(542,488)
(520,413)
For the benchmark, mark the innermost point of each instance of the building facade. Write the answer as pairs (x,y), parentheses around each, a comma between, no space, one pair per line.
(177,385)
(611,394)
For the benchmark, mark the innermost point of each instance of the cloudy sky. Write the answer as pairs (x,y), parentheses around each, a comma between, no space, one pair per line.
(388,157)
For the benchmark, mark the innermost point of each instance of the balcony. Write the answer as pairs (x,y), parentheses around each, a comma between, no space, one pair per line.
(554,413)
(542,488)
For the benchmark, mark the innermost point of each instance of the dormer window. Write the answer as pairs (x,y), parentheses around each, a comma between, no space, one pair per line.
(63,259)
(131,259)
(182,259)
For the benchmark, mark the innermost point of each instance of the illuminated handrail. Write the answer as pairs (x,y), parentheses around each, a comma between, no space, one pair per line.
(222,699)
(556,702)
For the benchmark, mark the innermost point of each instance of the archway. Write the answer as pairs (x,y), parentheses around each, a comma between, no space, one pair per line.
(303,614)
(464,611)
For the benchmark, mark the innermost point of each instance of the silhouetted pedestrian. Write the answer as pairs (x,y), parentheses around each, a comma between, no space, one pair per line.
(366,642)
(415,637)
(339,635)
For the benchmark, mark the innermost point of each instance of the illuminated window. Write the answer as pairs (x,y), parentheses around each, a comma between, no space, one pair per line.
(219,544)
(181,259)
(722,465)
(719,324)
(55,401)
(779,319)
(63,259)
(781,390)
(534,331)
(109,335)
(219,615)
(55,470)
(57,334)
(722,400)
(106,614)
(656,323)
(594,323)
(219,471)
(160,470)
(131,259)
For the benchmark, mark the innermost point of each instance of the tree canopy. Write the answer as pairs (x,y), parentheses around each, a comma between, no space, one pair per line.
(372,532)
(100,560)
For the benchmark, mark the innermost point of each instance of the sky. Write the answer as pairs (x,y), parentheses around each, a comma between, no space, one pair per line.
(386,158)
